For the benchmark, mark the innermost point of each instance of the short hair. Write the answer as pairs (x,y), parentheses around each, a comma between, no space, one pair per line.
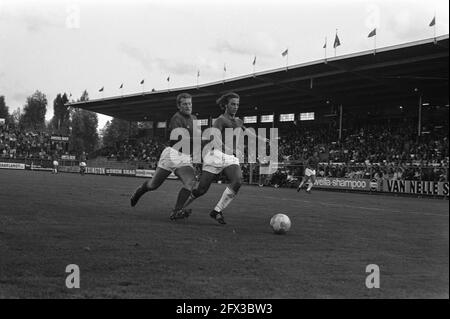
(183,96)
(224,99)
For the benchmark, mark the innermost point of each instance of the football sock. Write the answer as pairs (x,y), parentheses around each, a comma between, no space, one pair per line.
(310,185)
(191,198)
(145,187)
(227,197)
(183,196)
(301,184)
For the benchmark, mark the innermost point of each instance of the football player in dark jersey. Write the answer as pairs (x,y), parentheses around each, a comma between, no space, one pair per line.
(173,160)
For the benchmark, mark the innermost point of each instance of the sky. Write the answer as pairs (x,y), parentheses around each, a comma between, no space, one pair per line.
(69,46)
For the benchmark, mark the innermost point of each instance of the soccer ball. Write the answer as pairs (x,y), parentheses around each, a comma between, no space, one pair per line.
(280,223)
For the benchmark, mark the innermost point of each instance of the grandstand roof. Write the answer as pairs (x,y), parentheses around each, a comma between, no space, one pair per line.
(394,75)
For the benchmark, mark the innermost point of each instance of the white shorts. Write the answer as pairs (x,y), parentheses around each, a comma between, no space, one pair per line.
(55,163)
(82,164)
(215,161)
(309,172)
(171,159)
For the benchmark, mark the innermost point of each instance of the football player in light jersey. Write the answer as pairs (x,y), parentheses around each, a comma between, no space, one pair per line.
(172,160)
(82,168)
(82,163)
(310,172)
(215,161)
(55,166)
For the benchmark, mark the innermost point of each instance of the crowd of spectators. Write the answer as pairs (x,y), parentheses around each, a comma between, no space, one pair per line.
(376,150)
(372,143)
(15,144)
(436,173)
(145,150)
(364,151)
(373,150)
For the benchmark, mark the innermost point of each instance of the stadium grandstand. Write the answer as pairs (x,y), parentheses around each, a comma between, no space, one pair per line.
(372,114)
(344,197)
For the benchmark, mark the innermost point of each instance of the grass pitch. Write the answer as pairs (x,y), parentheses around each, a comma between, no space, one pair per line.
(49,221)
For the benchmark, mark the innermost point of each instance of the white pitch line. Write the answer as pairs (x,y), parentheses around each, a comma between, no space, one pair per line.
(348,206)
(317,202)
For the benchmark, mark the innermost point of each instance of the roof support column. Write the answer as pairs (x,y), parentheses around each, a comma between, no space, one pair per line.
(419,122)
(165,131)
(341,110)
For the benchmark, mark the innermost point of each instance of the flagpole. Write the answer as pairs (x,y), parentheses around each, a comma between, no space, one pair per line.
(224,72)
(375,44)
(335,46)
(434,26)
(287,59)
(254,63)
(325,48)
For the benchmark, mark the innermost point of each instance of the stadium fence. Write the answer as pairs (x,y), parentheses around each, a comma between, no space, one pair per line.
(413,179)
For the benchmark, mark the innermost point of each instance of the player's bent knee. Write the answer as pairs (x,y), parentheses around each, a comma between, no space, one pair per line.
(151,187)
(236,185)
(199,192)
(189,184)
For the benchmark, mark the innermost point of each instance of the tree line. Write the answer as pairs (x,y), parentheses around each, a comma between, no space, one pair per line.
(78,124)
